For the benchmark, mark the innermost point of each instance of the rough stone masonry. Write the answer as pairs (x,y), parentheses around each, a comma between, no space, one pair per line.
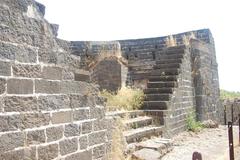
(49,109)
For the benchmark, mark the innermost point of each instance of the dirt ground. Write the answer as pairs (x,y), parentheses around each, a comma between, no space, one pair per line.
(211,143)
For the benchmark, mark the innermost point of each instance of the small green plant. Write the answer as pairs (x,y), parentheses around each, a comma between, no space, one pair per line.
(192,124)
(125,99)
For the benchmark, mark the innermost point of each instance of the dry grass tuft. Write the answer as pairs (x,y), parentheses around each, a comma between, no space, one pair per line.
(125,99)
(171,41)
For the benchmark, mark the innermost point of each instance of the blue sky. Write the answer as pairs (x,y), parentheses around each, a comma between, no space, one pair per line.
(127,19)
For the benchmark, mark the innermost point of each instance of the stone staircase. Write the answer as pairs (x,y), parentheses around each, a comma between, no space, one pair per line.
(141,132)
(144,129)
(163,79)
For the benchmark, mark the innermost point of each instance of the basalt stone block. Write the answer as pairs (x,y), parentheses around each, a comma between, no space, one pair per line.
(54,133)
(81,114)
(99,151)
(31,120)
(53,73)
(83,142)
(2,85)
(44,86)
(9,122)
(20,104)
(87,127)
(19,53)
(31,71)
(72,130)
(71,87)
(26,154)
(67,75)
(68,146)
(62,117)
(97,138)
(86,155)
(78,101)
(99,125)
(52,102)
(47,56)
(48,152)
(19,86)
(97,112)
(36,137)
(10,141)
(5,68)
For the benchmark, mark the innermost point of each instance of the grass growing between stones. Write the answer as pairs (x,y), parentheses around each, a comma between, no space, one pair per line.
(192,124)
(125,99)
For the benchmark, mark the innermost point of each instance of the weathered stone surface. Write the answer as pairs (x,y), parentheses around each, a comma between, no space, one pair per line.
(86,155)
(99,125)
(97,112)
(78,101)
(48,152)
(81,114)
(67,75)
(19,86)
(54,133)
(72,130)
(9,122)
(31,120)
(10,141)
(97,138)
(44,86)
(20,104)
(5,68)
(74,87)
(19,53)
(62,117)
(53,73)
(2,86)
(52,102)
(36,137)
(147,154)
(47,56)
(68,146)
(26,154)
(31,71)
(87,127)
(83,142)
(99,151)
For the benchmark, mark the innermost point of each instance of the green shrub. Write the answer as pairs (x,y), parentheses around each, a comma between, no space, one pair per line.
(192,124)
(229,94)
(125,98)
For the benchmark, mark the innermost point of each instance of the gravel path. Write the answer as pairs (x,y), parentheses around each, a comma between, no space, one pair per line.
(211,143)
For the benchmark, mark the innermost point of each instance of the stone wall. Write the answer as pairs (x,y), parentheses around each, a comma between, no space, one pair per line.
(206,82)
(182,102)
(107,74)
(44,112)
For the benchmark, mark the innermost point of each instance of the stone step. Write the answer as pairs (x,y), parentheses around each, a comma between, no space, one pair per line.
(158,97)
(136,135)
(158,90)
(167,61)
(165,66)
(163,72)
(162,78)
(160,105)
(160,84)
(170,56)
(128,114)
(160,145)
(138,122)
